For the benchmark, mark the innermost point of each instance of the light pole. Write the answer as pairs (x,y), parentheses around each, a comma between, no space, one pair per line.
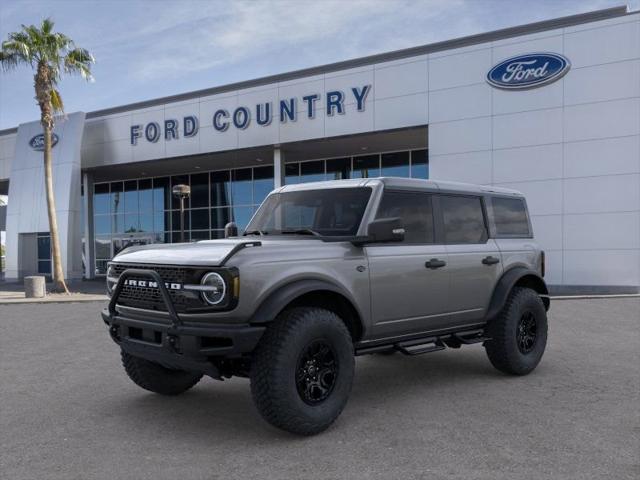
(182,192)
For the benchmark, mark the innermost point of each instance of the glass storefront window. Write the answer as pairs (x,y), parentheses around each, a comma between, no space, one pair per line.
(101,198)
(103,247)
(339,168)
(367,166)
(145,195)
(395,164)
(175,220)
(144,211)
(131,223)
(200,190)
(102,224)
(161,194)
(161,221)
(146,222)
(262,183)
(312,171)
(220,217)
(200,219)
(241,191)
(117,192)
(117,223)
(200,235)
(420,164)
(220,189)
(292,173)
(131,203)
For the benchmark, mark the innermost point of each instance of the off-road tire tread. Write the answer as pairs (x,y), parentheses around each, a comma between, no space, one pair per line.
(264,377)
(156,378)
(501,356)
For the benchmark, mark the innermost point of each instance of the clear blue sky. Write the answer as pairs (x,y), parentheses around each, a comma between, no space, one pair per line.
(149,49)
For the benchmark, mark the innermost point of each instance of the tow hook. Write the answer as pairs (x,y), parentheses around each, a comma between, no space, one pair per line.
(173,343)
(114,331)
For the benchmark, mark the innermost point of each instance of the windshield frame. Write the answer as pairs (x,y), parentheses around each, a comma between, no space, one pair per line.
(257,223)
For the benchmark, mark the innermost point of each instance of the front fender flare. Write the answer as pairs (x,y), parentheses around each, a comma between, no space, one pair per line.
(281,297)
(506,283)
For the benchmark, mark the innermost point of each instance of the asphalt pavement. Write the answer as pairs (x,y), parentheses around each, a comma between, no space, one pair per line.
(68,411)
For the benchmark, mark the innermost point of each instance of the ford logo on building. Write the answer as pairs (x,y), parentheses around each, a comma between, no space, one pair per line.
(37,142)
(528,71)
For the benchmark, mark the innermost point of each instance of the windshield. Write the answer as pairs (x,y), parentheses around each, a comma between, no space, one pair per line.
(326,212)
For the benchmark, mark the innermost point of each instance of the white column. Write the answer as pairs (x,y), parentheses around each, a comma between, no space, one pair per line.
(87,221)
(278,167)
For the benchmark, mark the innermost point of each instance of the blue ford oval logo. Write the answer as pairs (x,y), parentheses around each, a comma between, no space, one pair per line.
(528,71)
(37,142)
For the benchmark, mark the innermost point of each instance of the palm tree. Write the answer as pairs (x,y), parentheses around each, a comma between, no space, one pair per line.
(50,55)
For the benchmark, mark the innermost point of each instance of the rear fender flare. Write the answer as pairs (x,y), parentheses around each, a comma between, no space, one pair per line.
(506,283)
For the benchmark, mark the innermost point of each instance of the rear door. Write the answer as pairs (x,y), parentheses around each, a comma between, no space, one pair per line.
(409,279)
(474,259)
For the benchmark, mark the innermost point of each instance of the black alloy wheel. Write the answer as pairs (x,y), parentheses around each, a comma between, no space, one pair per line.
(317,372)
(527,332)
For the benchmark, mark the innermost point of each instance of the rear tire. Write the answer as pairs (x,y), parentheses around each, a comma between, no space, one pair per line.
(156,378)
(302,370)
(518,334)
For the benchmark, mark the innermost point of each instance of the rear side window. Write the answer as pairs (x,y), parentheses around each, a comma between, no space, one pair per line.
(463,219)
(510,217)
(416,213)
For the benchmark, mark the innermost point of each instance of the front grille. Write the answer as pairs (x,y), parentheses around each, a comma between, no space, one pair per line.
(151,298)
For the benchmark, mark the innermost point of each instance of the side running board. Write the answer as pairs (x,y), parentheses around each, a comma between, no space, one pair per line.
(429,344)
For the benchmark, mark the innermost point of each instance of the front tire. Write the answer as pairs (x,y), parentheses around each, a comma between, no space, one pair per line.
(302,370)
(518,334)
(156,378)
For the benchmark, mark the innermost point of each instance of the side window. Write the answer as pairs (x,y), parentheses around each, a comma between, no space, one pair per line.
(416,213)
(463,219)
(510,217)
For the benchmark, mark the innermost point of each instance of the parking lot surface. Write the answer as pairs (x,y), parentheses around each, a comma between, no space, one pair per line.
(68,411)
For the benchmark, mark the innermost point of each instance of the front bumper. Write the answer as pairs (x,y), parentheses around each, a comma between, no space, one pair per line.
(169,341)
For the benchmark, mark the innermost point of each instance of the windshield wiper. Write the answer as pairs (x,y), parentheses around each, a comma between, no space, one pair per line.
(254,232)
(301,231)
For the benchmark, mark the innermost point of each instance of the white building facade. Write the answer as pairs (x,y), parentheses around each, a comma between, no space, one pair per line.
(551,109)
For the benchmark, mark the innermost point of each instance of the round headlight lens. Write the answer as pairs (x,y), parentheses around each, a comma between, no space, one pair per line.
(216,288)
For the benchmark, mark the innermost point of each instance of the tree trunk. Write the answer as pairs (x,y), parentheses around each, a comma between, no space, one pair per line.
(59,284)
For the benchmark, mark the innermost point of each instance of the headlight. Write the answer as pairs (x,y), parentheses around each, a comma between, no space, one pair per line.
(216,288)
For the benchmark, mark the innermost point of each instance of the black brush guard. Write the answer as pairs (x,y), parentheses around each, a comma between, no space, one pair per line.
(176,344)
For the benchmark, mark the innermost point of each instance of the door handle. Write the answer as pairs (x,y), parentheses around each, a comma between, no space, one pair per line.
(490,260)
(435,263)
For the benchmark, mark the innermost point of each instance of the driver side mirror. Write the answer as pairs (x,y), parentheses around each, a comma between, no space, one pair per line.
(230,230)
(386,230)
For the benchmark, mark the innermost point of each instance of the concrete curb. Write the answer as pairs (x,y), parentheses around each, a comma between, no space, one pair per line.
(57,299)
(587,297)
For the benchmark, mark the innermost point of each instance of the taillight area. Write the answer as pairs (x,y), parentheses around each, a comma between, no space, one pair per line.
(542,263)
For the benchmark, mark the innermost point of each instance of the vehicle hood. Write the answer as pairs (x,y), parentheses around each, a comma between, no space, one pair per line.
(206,253)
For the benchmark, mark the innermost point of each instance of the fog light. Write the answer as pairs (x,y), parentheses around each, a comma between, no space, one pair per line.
(215,288)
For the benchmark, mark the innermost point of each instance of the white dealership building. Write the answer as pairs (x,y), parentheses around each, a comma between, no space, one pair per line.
(551,109)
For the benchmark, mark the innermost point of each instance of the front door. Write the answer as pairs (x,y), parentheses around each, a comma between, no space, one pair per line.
(409,279)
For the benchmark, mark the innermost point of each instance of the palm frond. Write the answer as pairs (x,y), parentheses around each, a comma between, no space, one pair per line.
(56,101)
(47,26)
(79,61)
(9,61)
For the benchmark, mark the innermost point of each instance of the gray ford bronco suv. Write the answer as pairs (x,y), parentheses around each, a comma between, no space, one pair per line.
(327,271)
